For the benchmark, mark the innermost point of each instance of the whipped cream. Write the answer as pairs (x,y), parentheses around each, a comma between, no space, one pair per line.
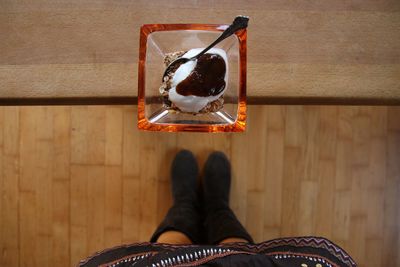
(191,103)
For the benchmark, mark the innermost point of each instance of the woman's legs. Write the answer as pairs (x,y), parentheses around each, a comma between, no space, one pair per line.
(221,223)
(182,224)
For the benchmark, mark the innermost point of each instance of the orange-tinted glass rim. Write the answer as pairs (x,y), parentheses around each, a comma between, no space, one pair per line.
(144,124)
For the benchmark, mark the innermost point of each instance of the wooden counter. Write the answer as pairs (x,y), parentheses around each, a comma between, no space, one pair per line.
(345,52)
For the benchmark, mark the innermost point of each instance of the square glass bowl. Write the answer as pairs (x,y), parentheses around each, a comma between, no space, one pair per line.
(156,40)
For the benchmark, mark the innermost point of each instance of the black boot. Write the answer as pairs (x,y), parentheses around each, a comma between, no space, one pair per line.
(184,215)
(221,222)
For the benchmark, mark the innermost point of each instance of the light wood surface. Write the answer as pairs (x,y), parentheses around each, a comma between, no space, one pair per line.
(74,180)
(329,51)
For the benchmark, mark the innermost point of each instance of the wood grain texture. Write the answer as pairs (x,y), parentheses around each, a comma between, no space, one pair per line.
(303,49)
(9,181)
(74,180)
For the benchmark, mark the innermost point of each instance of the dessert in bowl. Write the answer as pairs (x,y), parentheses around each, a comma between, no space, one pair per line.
(196,86)
(207,94)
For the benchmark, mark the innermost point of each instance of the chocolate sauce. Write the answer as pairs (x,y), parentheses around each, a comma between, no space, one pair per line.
(206,79)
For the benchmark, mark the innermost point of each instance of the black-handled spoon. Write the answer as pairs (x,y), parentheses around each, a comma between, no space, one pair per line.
(239,23)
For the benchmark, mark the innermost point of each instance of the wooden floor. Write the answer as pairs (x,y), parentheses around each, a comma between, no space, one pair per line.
(75,180)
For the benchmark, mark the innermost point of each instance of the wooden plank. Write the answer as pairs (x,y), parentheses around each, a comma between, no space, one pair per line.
(256,182)
(358,218)
(130,177)
(326,169)
(113,135)
(79,198)
(62,142)
(9,172)
(148,174)
(328,131)
(164,199)
(79,131)
(307,205)
(329,50)
(290,193)
(388,5)
(27,228)
(255,204)
(61,223)
(378,155)
(308,192)
(255,175)
(311,149)
(28,206)
(341,215)
(375,186)
(323,217)
(28,124)
(373,252)
(167,145)
(239,160)
(360,177)
(358,240)
(79,214)
(293,174)
(361,138)
(344,148)
(61,186)
(2,192)
(375,223)
(130,154)
(295,132)
(113,176)
(95,204)
(283,80)
(296,36)
(96,135)
(392,190)
(66,80)
(113,205)
(44,186)
(130,207)
(273,171)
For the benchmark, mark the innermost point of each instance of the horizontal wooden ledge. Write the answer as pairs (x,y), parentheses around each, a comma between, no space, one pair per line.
(55,33)
(283,83)
(144,5)
(128,100)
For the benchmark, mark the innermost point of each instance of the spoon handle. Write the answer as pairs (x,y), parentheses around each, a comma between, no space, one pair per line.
(239,23)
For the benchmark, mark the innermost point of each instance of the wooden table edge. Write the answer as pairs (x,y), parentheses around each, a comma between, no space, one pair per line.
(132,100)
